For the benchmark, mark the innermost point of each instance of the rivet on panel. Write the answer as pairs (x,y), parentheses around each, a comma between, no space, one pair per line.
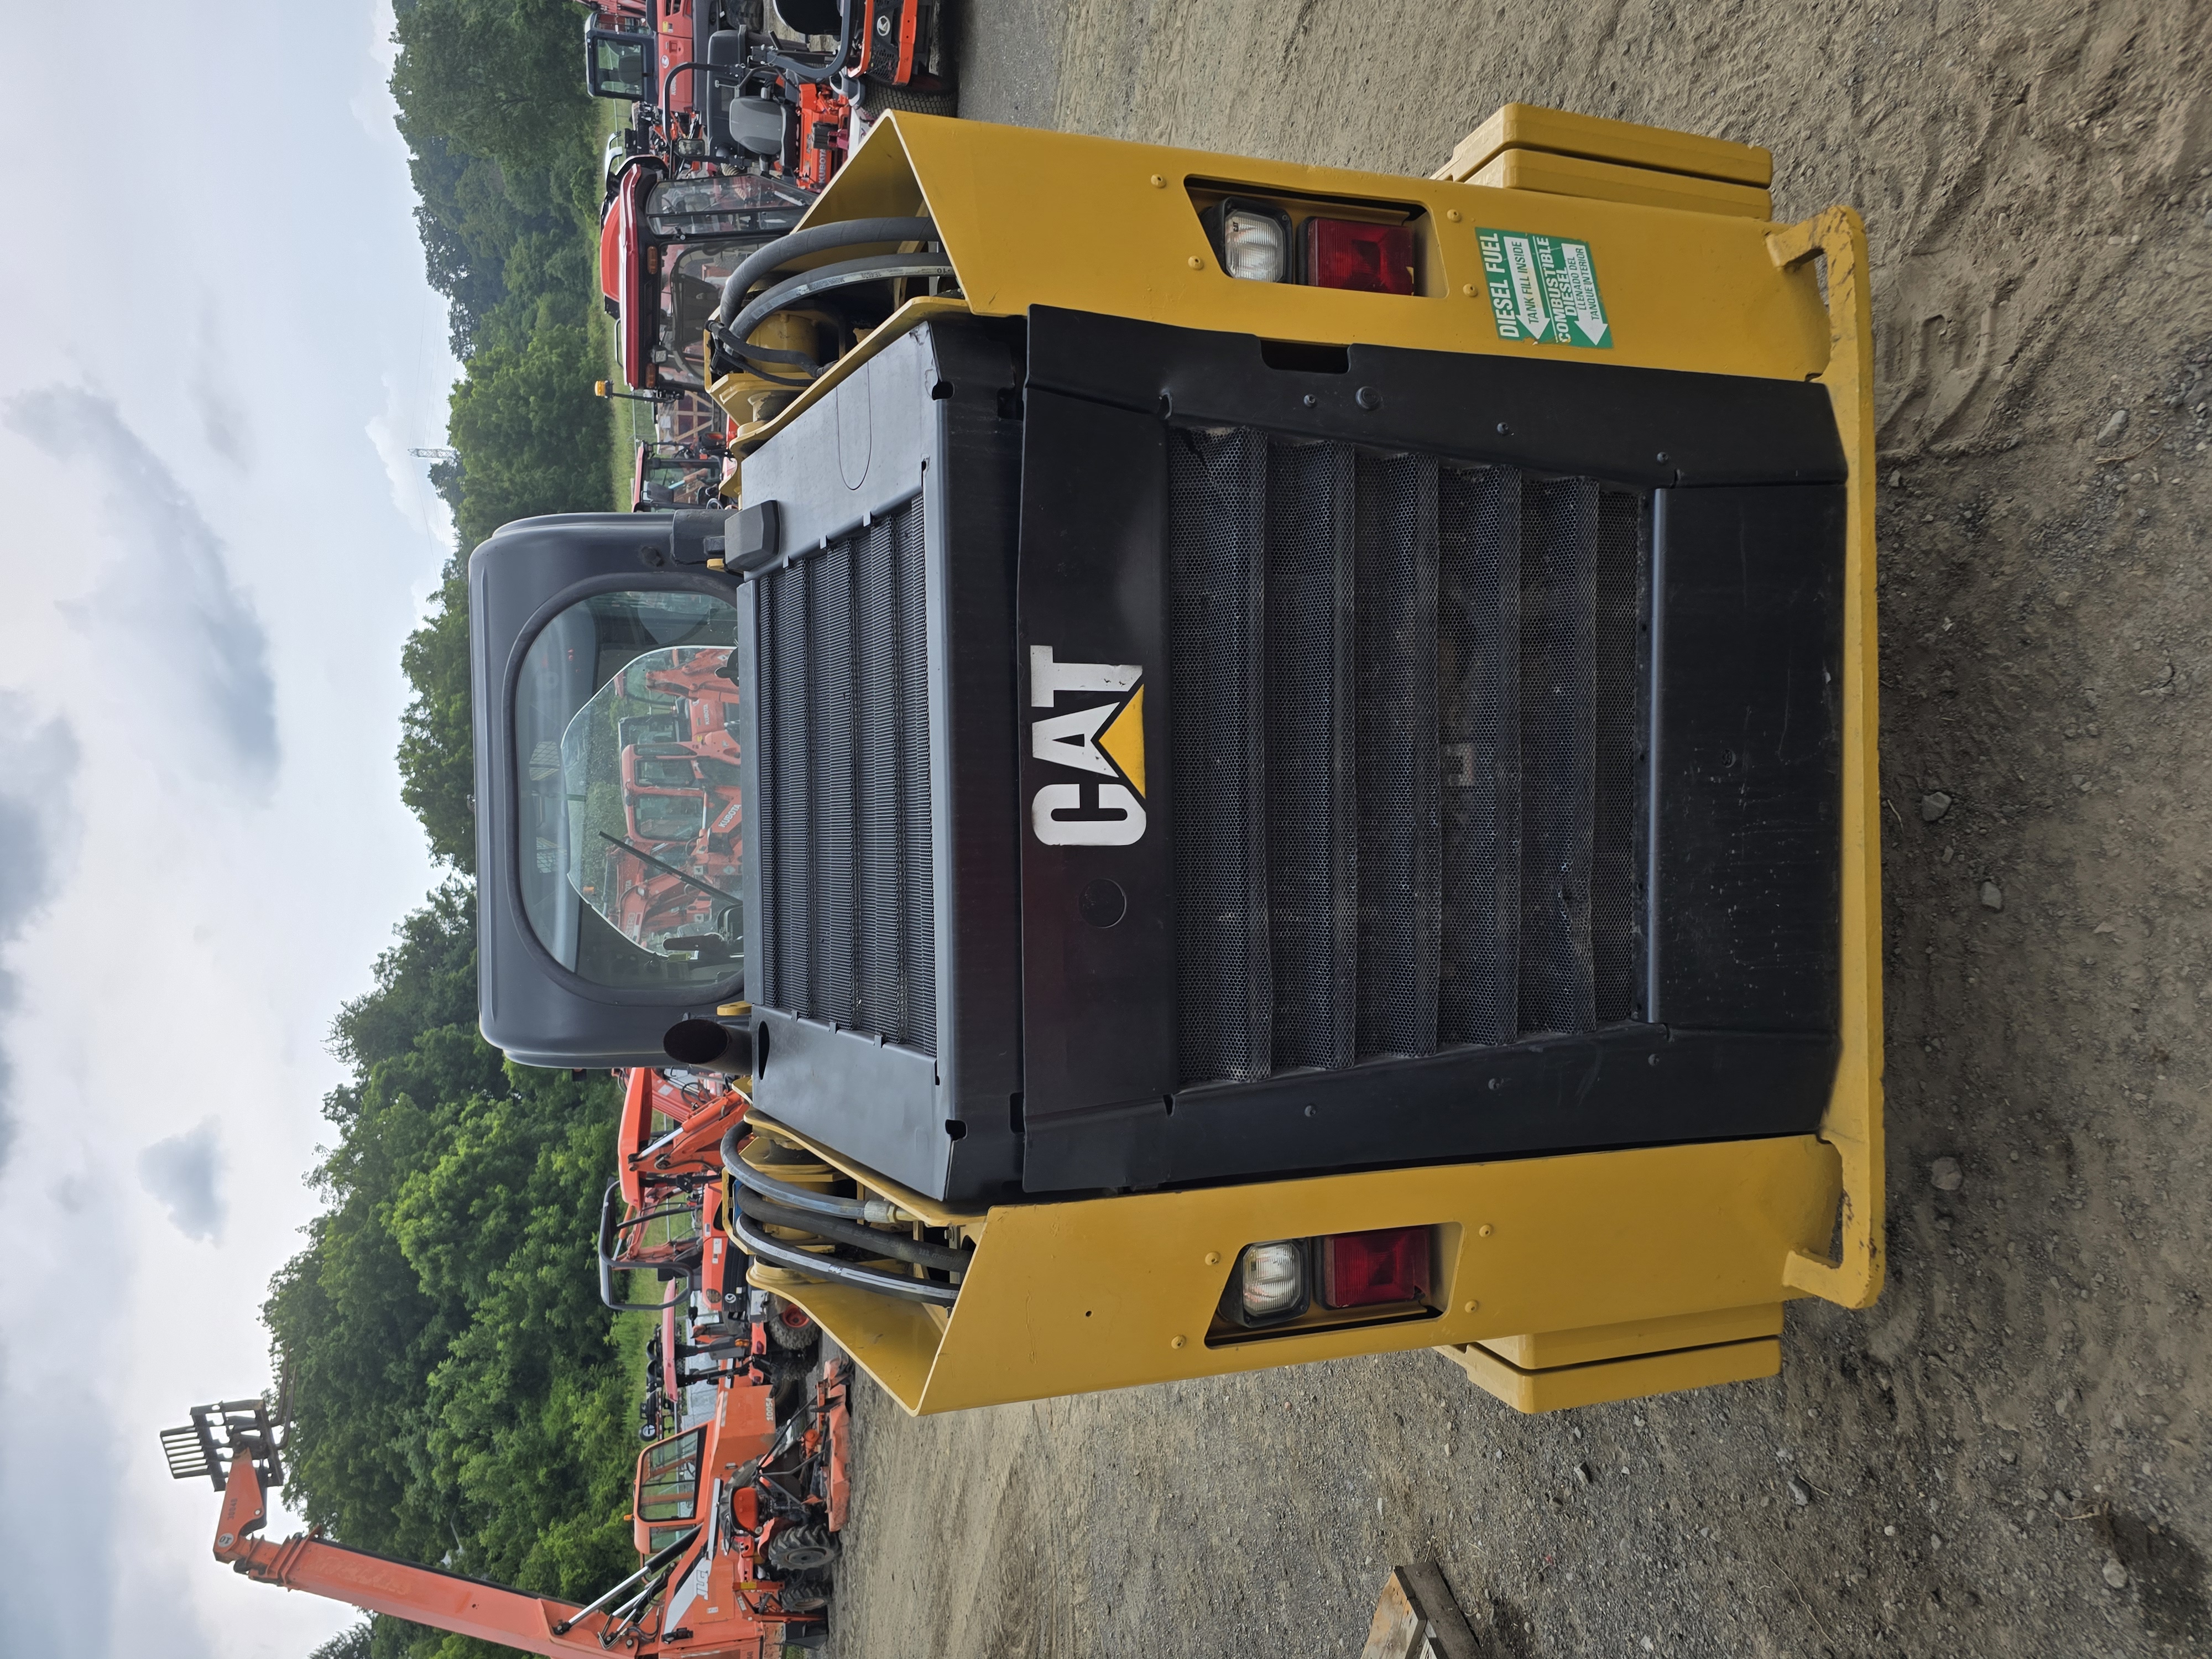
(1213,1258)
(1452,213)
(1483,1231)
(1473,1307)
(1158,183)
(1195,263)
(1469,289)
(1175,1341)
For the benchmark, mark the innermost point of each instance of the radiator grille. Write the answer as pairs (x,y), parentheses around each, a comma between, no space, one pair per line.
(1406,758)
(849,924)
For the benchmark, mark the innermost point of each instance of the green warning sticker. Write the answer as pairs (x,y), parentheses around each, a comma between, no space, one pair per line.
(1543,289)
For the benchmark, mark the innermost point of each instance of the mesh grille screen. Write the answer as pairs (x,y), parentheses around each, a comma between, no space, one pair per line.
(1218,517)
(845,857)
(1406,752)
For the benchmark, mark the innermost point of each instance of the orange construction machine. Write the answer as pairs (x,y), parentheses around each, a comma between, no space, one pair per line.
(664,807)
(667,1212)
(735,1519)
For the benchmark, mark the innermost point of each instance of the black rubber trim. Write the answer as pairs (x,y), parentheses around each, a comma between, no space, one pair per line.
(1653,427)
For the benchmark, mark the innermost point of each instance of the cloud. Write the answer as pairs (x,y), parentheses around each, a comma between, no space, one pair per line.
(184,1174)
(193,645)
(38,764)
(223,422)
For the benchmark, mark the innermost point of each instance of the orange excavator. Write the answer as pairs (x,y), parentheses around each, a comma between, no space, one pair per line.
(735,1521)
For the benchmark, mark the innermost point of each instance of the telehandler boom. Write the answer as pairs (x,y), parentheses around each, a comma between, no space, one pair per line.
(734,1516)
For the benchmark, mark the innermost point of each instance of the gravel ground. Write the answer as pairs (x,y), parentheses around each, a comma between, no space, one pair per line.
(2005,1456)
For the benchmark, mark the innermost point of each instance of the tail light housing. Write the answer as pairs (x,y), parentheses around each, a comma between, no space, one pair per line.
(1366,1270)
(1371,258)
(1291,1284)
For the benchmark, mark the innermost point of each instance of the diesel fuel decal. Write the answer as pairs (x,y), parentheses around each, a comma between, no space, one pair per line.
(1543,289)
(1101,741)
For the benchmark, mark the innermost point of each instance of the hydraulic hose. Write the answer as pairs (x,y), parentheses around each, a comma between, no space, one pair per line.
(804,1198)
(847,232)
(893,1245)
(874,268)
(840,1273)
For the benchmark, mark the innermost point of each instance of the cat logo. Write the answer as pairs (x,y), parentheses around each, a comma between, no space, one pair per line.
(1106,739)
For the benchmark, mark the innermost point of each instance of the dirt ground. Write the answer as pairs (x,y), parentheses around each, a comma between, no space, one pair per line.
(2005,1456)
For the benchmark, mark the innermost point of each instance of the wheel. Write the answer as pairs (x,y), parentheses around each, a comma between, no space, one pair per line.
(941,99)
(802,1549)
(788,1327)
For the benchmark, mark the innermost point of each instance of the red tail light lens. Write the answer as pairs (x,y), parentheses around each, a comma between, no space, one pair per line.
(1360,1270)
(1373,258)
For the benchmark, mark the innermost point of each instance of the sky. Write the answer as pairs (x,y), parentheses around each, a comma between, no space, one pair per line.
(215,542)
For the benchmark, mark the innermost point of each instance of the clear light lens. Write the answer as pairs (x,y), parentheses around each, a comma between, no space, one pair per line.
(1252,248)
(1271,1277)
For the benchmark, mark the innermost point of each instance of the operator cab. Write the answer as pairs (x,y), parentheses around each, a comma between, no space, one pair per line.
(682,1478)
(666,248)
(669,1500)
(611,844)
(618,59)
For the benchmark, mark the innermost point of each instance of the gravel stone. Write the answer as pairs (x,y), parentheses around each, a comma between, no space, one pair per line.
(2117,423)
(2115,1574)
(1945,1176)
(1800,1493)
(1933,806)
(1992,897)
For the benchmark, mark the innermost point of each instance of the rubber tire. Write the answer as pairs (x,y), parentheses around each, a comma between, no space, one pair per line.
(802,1549)
(791,1340)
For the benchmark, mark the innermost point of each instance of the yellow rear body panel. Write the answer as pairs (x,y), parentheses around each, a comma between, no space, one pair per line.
(1566,1279)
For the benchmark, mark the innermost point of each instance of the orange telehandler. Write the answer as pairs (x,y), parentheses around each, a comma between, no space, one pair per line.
(735,1517)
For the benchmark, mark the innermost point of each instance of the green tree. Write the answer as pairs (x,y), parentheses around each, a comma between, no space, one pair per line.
(355,1643)
(437,751)
(499,78)
(532,436)
(500,140)
(456,1391)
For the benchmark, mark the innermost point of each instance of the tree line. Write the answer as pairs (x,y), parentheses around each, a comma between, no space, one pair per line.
(456,1389)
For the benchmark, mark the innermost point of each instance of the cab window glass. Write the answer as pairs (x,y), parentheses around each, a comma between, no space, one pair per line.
(617,66)
(668,1480)
(626,881)
(748,204)
(688,295)
(679,483)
